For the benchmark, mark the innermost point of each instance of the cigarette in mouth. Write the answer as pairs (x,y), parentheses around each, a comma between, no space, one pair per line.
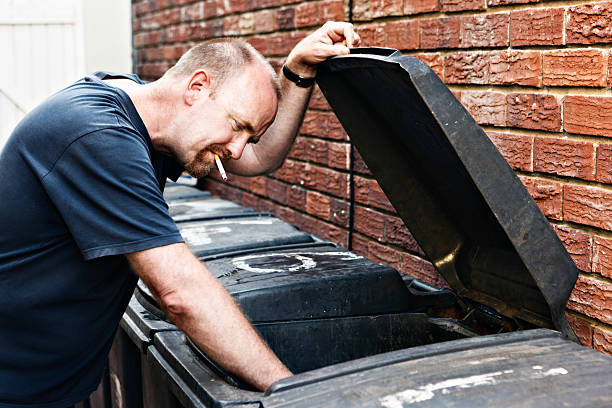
(220,166)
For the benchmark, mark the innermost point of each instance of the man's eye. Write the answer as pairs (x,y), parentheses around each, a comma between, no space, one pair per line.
(238,127)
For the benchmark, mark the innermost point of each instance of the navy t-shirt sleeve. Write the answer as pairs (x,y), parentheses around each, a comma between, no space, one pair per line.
(104,186)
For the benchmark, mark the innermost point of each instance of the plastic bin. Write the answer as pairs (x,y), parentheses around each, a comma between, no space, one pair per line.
(205,208)
(181,192)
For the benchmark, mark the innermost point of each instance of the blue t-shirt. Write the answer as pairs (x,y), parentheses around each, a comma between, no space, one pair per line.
(80,184)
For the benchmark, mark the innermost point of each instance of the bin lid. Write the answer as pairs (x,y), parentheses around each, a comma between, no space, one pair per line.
(316,282)
(205,208)
(212,237)
(456,194)
(319,282)
(531,368)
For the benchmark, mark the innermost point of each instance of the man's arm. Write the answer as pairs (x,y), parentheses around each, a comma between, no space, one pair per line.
(333,38)
(200,306)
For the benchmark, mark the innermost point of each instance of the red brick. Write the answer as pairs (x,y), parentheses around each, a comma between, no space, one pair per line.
(198,31)
(586,67)
(582,328)
(329,181)
(277,191)
(466,68)
(588,205)
(422,269)
(384,8)
(362,10)
(534,111)
(339,212)
(259,185)
(604,163)
(317,100)
(362,190)
(264,21)
(547,194)
(360,245)
(589,23)
(435,62)
(297,197)
(323,229)
(317,204)
(588,115)
(377,197)
(372,35)
(369,222)
(602,256)
(402,35)
(442,32)
(338,155)
(307,15)
(383,254)
(323,124)
(564,157)
(285,18)
(462,5)
(246,23)
(485,30)
(578,245)
(397,233)
(610,70)
(420,6)
(602,339)
(516,149)
(515,68)
(592,297)
(286,172)
(216,27)
(492,3)
(536,27)
(331,10)
(307,148)
(231,25)
(487,108)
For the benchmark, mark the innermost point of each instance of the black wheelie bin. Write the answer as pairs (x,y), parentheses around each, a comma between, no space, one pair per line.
(235,232)
(482,231)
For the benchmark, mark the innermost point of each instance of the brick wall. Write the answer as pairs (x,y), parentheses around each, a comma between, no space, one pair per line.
(536,76)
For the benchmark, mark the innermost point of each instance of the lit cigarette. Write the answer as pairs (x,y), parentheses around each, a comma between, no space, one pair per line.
(220,166)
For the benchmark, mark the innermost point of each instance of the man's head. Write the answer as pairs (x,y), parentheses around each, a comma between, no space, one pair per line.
(229,98)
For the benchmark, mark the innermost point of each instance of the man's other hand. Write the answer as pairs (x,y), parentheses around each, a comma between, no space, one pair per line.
(333,38)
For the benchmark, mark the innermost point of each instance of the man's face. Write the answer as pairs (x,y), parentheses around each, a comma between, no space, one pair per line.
(238,112)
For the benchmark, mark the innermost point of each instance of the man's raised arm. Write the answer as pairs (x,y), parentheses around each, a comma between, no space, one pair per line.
(202,308)
(333,38)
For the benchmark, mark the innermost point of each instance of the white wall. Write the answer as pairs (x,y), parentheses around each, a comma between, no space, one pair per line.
(47,44)
(107,26)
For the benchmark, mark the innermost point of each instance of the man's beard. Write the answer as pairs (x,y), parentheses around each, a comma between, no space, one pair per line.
(199,167)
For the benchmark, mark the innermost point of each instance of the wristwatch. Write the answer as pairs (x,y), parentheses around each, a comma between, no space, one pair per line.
(300,81)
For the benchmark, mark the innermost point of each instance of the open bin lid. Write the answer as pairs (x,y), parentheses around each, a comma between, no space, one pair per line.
(456,194)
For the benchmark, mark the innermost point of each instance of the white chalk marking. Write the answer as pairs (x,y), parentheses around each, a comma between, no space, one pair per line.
(306,262)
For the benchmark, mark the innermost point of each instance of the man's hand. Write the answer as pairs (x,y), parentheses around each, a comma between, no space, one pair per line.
(333,38)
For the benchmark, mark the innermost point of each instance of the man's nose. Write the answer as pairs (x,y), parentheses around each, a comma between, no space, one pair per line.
(236,147)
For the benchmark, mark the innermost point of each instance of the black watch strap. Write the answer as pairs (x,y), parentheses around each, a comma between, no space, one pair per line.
(300,81)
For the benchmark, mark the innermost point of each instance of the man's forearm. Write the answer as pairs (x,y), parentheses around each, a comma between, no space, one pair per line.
(200,306)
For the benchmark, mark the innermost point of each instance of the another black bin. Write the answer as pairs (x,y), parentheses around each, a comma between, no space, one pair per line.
(175,191)
(483,232)
(205,208)
(207,238)
(305,303)
(228,235)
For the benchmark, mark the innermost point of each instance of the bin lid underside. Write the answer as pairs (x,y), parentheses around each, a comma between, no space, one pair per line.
(456,194)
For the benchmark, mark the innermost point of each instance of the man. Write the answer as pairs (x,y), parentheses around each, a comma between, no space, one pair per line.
(81,179)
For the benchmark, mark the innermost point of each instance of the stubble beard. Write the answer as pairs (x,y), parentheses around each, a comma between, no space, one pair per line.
(199,167)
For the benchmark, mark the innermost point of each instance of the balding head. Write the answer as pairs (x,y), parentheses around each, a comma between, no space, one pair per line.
(223,58)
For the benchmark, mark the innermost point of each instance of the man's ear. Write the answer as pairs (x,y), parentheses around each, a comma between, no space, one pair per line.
(197,87)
